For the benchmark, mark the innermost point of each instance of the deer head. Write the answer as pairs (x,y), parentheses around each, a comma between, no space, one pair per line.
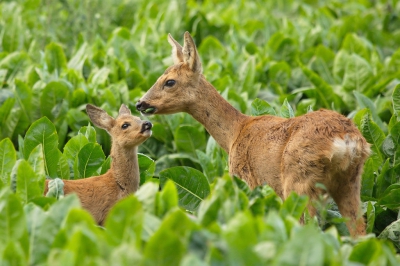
(126,129)
(175,90)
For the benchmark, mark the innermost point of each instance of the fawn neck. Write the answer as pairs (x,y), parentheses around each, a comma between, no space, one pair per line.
(125,167)
(220,119)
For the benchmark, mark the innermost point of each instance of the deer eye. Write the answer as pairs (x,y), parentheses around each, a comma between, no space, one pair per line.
(125,125)
(170,83)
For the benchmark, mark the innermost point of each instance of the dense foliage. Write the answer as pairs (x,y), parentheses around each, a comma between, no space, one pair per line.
(266,57)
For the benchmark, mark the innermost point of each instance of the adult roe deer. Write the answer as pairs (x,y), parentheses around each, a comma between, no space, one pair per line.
(99,193)
(287,154)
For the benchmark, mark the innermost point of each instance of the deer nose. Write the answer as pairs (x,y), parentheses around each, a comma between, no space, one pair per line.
(141,106)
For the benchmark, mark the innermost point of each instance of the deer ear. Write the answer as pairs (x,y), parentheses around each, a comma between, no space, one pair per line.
(190,54)
(99,117)
(124,110)
(177,54)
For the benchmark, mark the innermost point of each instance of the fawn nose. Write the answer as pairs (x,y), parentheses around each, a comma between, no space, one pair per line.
(146,126)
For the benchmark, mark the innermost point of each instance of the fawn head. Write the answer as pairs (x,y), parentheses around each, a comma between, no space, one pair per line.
(126,129)
(175,90)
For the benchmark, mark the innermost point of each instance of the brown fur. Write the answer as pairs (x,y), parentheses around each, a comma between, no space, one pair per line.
(287,154)
(99,193)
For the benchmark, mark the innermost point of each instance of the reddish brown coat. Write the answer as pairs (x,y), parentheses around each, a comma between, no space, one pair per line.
(287,154)
(99,193)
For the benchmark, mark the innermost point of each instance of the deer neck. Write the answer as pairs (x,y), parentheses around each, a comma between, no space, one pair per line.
(217,115)
(125,168)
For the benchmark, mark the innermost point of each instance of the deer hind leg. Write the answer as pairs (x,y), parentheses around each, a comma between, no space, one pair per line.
(302,186)
(347,197)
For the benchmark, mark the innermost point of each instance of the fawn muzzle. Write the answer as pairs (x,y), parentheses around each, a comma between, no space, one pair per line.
(146,126)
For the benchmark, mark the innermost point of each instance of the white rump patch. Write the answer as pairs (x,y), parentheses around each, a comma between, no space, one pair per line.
(344,151)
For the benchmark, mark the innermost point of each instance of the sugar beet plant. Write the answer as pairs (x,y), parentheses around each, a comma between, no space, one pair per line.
(284,58)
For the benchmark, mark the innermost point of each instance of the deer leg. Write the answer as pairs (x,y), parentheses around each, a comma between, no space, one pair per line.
(347,197)
(292,183)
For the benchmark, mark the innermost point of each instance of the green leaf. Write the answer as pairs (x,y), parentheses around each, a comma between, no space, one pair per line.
(124,222)
(90,159)
(368,178)
(89,132)
(55,58)
(42,230)
(169,243)
(261,107)
(43,132)
(396,101)
(211,48)
(373,134)
(36,161)
(365,102)
(370,217)
(52,98)
(29,185)
(12,217)
(241,236)
(189,139)
(63,170)
(23,95)
(73,146)
(306,247)
(167,199)
(391,197)
(192,185)
(8,157)
(13,254)
(147,196)
(357,75)
(147,167)
(286,110)
(294,205)
(391,232)
(325,95)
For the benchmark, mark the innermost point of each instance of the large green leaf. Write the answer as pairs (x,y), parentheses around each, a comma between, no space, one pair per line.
(8,157)
(294,205)
(124,222)
(12,217)
(55,58)
(261,107)
(189,139)
(357,75)
(192,185)
(52,99)
(43,132)
(373,134)
(396,101)
(169,243)
(90,159)
(29,184)
(147,167)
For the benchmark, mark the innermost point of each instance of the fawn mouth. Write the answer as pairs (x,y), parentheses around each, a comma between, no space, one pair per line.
(146,126)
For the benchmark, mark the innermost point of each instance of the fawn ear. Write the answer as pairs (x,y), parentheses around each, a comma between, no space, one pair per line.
(99,117)
(190,54)
(124,110)
(177,54)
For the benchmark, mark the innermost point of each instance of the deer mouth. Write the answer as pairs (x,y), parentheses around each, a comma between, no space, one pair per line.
(149,111)
(145,108)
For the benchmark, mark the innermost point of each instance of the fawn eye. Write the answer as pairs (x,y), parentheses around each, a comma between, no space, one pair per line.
(125,125)
(170,83)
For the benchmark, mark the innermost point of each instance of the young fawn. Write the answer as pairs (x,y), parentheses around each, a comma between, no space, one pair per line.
(99,193)
(287,154)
